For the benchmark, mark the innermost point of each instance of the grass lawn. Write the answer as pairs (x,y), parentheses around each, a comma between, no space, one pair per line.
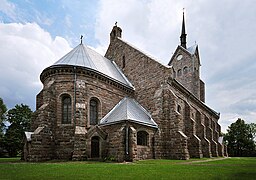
(229,168)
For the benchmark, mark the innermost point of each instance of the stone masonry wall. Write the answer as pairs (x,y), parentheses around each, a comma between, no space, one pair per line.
(59,82)
(187,70)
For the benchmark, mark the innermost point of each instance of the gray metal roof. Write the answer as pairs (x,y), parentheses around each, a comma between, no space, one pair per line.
(131,110)
(84,56)
(192,49)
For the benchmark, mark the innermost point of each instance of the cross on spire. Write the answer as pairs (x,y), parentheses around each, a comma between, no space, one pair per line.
(81,38)
(116,23)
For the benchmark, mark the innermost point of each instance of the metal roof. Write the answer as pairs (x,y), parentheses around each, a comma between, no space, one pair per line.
(131,110)
(192,49)
(84,56)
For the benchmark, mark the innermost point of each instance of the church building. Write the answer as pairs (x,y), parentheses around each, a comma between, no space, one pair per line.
(123,106)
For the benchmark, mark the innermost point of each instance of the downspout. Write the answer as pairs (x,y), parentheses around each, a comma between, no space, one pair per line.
(74,97)
(127,142)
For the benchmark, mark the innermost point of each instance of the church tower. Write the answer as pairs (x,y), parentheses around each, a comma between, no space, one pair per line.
(186,65)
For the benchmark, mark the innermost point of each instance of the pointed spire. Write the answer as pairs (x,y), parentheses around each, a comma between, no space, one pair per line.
(183,39)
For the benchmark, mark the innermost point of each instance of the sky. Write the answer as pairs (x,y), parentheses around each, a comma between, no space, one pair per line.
(36,33)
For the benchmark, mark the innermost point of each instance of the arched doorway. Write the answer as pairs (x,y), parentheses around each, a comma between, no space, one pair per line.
(95,147)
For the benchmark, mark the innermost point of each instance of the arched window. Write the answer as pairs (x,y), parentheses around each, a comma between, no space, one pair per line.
(179,72)
(123,61)
(185,70)
(142,138)
(93,111)
(179,108)
(66,109)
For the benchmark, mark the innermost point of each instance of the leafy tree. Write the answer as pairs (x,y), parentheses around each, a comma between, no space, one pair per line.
(240,139)
(3,110)
(19,117)
(252,129)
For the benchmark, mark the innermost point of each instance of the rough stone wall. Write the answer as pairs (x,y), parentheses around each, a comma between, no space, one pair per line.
(187,71)
(194,143)
(209,135)
(198,117)
(148,76)
(170,141)
(201,133)
(41,145)
(59,82)
(202,91)
(145,73)
(139,152)
(116,142)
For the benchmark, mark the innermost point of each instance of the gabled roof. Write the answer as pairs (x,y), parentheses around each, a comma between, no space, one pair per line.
(131,110)
(84,56)
(191,51)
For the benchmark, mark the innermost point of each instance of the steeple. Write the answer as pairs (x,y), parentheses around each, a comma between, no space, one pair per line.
(183,39)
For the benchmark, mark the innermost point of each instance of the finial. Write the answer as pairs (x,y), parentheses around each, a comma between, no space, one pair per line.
(115,23)
(81,38)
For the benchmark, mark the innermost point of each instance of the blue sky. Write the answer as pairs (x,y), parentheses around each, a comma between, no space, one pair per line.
(36,33)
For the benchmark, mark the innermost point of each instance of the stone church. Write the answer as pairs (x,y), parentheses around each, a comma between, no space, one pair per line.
(123,106)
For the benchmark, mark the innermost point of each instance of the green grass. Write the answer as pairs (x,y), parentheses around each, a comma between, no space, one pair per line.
(230,168)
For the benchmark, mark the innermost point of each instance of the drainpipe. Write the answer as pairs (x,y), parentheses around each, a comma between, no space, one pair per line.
(127,142)
(75,97)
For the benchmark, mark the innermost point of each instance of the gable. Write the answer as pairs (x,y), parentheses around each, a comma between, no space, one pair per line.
(191,51)
(131,110)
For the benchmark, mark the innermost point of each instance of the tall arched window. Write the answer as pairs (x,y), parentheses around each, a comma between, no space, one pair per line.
(123,61)
(66,109)
(93,111)
(179,108)
(142,138)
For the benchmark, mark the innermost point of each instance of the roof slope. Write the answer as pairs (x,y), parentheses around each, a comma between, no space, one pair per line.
(190,50)
(84,56)
(128,109)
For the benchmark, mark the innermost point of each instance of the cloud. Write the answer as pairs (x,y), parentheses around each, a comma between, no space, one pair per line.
(26,49)
(225,34)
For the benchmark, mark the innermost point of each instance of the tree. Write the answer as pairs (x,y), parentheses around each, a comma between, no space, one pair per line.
(240,139)
(3,110)
(19,118)
(252,129)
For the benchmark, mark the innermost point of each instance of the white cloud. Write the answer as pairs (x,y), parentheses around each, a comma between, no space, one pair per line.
(225,34)
(26,49)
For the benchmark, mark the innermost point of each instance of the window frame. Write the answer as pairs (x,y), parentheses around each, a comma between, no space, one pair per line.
(142,138)
(66,109)
(93,111)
